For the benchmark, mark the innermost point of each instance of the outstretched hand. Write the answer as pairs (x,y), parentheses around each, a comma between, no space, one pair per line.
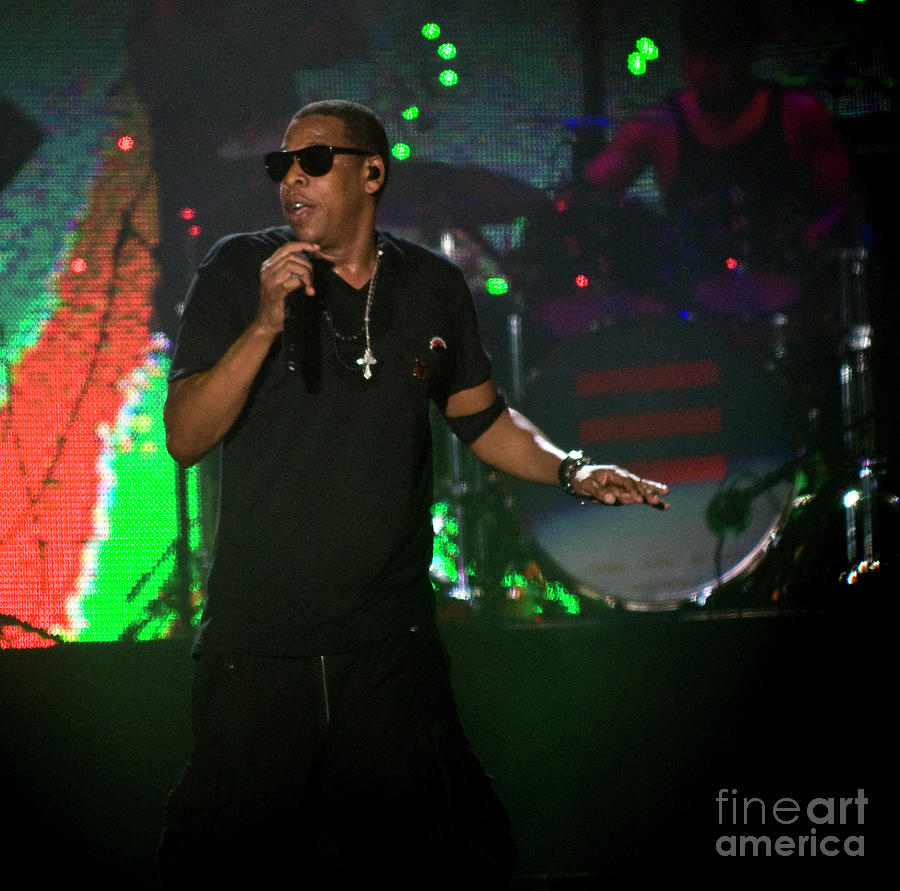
(613,485)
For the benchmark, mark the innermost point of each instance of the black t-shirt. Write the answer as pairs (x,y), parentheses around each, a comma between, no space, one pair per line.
(324,538)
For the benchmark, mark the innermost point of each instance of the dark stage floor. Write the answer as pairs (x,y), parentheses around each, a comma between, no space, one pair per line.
(609,740)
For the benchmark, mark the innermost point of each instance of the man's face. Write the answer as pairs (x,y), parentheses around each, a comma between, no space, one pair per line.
(329,210)
(719,79)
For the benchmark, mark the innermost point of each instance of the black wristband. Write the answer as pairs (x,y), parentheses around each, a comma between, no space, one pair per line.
(568,467)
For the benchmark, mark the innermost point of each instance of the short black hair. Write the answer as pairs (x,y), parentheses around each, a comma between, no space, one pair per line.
(362,127)
(725,26)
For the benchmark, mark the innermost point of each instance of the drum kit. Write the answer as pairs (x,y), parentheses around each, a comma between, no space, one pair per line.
(760,420)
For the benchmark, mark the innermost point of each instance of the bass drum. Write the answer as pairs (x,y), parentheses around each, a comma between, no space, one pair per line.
(669,401)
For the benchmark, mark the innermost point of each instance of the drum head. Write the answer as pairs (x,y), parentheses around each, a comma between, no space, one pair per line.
(670,401)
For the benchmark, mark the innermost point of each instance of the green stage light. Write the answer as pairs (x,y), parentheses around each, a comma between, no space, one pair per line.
(637,64)
(647,48)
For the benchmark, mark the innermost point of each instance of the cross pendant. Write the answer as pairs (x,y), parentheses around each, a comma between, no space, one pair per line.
(368,360)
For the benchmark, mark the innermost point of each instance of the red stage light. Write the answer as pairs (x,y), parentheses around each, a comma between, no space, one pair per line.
(187,213)
(78,265)
(194,231)
(582,281)
(126,143)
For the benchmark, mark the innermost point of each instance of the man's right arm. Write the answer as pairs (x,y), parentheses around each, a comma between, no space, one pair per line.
(202,407)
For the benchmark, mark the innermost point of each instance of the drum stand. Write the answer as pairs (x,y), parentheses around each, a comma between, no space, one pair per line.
(475,532)
(860,499)
(514,341)
(487,540)
(464,483)
(460,490)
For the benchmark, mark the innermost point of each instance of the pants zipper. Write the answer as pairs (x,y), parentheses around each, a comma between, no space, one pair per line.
(325,692)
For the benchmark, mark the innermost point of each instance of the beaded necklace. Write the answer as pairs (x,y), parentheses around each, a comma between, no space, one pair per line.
(367,360)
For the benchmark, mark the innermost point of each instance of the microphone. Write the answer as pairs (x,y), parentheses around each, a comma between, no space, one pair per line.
(732,509)
(293,326)
(291,330)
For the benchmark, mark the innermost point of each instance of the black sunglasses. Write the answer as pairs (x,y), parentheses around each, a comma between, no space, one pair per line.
(314,160)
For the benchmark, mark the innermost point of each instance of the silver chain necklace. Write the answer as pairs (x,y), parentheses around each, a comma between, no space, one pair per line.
(367,360)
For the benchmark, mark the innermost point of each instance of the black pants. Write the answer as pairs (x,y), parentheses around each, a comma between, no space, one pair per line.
(324,769)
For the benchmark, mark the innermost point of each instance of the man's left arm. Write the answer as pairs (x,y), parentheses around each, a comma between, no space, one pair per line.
(514,445)
(817,147)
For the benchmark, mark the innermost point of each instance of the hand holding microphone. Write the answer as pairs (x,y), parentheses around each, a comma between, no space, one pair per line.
(285,278)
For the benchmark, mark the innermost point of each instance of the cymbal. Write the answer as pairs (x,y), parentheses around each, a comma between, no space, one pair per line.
(571,122)
(456,196)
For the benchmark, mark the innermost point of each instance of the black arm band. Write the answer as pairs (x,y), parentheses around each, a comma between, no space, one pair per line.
(469,427)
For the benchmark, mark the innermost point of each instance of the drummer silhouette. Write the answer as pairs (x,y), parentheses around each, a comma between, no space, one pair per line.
(753,178)
(755,190)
